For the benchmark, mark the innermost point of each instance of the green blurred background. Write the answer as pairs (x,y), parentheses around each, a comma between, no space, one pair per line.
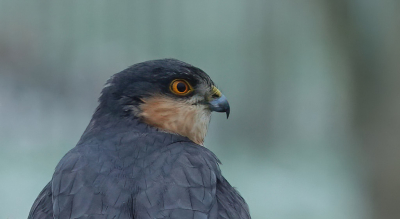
(314,88)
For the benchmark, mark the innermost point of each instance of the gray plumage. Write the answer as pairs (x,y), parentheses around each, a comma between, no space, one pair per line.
(124,168)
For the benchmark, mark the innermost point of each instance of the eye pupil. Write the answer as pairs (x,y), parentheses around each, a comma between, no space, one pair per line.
(181,87)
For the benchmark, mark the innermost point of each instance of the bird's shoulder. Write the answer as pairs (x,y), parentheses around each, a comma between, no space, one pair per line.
(155,170)
(134,157)
(178,181)
(42,207)
(231,203)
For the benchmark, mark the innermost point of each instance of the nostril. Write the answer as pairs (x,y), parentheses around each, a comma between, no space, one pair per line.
(214,96)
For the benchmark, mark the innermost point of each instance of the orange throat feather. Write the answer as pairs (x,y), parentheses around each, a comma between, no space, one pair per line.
(178,117)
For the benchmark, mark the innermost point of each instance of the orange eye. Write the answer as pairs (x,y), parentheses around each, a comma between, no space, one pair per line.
(180,87)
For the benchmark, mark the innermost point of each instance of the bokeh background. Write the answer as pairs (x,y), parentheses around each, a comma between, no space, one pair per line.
(314,88)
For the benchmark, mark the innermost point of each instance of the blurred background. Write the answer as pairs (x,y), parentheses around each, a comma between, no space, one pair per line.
(314,131)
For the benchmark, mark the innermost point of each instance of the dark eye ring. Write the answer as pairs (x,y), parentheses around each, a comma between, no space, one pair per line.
(180,87)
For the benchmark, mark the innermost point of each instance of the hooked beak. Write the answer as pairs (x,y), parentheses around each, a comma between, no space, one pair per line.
(220,104)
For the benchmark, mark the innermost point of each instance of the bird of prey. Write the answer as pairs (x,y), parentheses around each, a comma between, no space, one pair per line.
(142,154)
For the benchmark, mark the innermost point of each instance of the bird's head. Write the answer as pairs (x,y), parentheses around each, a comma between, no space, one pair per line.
(167,94)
